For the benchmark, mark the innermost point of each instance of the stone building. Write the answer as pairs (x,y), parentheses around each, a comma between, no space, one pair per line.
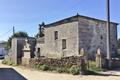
(68,36)
(40,47)
(65,38)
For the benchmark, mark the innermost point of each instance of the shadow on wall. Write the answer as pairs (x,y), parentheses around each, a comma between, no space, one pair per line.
(10,74)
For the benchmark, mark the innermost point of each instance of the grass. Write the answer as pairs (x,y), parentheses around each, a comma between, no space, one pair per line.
(92,67)
(44,67)
(73,70)
(93,70)
(8,63)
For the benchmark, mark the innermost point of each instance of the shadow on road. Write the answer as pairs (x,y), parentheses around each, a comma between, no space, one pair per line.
(106,73)
(10,74)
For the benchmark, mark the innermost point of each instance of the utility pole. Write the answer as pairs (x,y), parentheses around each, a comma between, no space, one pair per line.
(108,35)
(13,30)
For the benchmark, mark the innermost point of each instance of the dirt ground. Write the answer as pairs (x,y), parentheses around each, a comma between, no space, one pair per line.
(22,73)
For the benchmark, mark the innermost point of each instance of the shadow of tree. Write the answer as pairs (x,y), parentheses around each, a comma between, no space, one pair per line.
(100,74)
(10,74)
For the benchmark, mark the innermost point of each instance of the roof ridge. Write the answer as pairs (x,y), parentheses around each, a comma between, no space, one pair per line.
(74,18)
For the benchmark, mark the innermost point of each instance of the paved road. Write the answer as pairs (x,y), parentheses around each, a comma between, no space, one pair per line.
(21,73)
(10,74)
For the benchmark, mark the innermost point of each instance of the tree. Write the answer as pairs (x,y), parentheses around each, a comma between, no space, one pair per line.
(17,35)
(41,30)
(20,34)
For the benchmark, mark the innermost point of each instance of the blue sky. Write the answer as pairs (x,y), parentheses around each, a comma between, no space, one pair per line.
(25,15)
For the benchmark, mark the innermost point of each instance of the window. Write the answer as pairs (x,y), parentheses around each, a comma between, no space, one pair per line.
(38,50)
(101,37)
(113,45)
(56,35)
(63,43)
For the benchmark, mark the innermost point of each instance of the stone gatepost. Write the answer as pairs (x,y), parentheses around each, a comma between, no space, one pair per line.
(82,52)
(26,53)
(83,62)
(99,58)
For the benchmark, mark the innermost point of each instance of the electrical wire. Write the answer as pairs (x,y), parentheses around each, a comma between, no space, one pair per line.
(6,32)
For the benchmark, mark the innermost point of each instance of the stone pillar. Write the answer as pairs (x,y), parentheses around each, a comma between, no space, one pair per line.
(82,52)
(14,56)
(37,55)
(83,62)
(26,53)
(16,50)
(98,59)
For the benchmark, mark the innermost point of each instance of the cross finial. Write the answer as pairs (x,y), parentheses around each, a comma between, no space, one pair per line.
(77,14)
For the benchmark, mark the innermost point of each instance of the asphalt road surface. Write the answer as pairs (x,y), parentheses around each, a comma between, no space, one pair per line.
(10,74)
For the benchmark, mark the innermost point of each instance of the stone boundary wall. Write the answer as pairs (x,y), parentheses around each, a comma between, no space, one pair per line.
(63,62)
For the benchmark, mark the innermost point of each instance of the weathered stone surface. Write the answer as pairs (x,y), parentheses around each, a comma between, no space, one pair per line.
(25,61)
(27,50)
(92,35)
(98,59)
(53,48)
(16,52)
(79,32)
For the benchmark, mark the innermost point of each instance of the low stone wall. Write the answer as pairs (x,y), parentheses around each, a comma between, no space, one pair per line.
(63,62)
(25,62)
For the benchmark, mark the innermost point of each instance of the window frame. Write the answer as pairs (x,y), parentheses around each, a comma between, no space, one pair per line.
(38,50)
(64,44)
(55,35)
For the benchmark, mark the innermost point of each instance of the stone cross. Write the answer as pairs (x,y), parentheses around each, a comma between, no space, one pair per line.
(82,52)
(27,49)
(98,59)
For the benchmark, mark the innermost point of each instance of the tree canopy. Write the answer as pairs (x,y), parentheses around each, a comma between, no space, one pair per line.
(17,34)
(41,30)
(20,34)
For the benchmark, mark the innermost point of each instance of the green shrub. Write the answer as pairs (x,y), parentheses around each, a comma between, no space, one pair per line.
(4,62)
(74,70)
(66,70)
(37,66)
(92,67)
(44,67)
(63,70)
(51,68)
(60,70)
(14,65)
(9,63)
